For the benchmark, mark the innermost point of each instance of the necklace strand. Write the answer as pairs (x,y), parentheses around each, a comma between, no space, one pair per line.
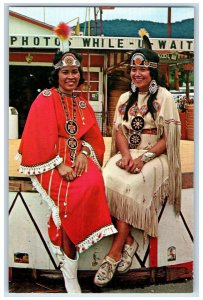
(81,114)
(71,126)
(67,94)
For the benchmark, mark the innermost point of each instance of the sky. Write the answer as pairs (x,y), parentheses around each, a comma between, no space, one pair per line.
(52,15)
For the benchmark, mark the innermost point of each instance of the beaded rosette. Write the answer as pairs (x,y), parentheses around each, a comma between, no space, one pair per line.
(137,123)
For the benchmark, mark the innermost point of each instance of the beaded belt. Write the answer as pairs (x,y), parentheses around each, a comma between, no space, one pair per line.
(135,136)
(145,131)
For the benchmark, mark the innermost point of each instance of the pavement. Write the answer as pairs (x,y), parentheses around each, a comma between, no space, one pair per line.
(23,283)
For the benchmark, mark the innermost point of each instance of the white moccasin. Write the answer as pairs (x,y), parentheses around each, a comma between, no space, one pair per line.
(127,257)
(106,271)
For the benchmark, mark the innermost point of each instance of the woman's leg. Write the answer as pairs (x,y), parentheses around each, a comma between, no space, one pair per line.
(67,246)
(129,239)
(120,238)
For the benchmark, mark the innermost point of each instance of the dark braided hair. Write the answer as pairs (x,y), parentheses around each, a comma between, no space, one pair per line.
(53,79)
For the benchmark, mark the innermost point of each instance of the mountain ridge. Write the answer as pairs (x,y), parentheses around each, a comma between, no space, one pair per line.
(129,28)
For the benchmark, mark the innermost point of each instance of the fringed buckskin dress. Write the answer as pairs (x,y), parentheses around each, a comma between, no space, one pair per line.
(79,206)
(136,198)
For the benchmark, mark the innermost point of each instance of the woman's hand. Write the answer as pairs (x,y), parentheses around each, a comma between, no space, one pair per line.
(66,172)
(136,166)
(80,164)
(125,162)
(133,166)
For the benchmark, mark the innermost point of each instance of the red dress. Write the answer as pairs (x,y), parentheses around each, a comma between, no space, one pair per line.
(79,206)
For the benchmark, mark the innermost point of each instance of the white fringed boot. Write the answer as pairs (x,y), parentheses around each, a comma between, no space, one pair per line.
(69,268)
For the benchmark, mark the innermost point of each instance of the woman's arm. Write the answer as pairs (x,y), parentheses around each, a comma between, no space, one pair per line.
(122,145)
(158,149)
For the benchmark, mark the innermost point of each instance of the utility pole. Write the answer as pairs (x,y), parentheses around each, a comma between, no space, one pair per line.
(89,21)
(101,12)
(95,20)
(169,36)
(169,22)
(101,29)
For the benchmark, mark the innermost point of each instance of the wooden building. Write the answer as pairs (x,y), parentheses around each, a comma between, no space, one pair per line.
(32,45)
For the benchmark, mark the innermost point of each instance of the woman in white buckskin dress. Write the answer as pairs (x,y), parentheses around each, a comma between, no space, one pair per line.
(144,167)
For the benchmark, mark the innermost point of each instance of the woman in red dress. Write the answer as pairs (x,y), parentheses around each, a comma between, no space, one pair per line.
(62,151)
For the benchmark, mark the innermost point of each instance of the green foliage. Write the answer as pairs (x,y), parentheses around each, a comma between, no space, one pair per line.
(182,76)
(129,28)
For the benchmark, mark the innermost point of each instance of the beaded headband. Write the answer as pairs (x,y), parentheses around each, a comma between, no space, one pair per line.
(139,60)
(68,60)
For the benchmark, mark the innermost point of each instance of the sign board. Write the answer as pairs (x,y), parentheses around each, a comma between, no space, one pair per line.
(98,42)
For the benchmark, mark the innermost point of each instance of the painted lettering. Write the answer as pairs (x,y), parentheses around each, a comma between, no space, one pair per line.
(47,39)
(162,44)
(86,42)
(110,46)
(13,40)
(57,42)
(120,43)
(189,44)
(36,41)
(140,44)
(99,43)
(24,41)
(173,45)
(95,42)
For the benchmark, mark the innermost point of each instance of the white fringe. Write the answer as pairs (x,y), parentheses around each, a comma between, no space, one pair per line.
(92,153)
(54,209)
(18,157)
(88,242)
(96,237)
(38,169)
(145,219)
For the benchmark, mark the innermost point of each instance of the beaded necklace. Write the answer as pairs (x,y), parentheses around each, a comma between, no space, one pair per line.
(71,126)
(137,123)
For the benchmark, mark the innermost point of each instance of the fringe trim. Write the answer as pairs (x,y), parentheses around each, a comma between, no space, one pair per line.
(134,214)
(173,133)
(51,204)
(92,153)
(34,170)
(90,241)
(96,237)
(18,157)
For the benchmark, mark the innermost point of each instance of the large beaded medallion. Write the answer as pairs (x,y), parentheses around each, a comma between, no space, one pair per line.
(71,127)
(137,123)
(72,143)
(135,139)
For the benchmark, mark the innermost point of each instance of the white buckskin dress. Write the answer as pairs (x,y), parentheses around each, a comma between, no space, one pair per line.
(136,198)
